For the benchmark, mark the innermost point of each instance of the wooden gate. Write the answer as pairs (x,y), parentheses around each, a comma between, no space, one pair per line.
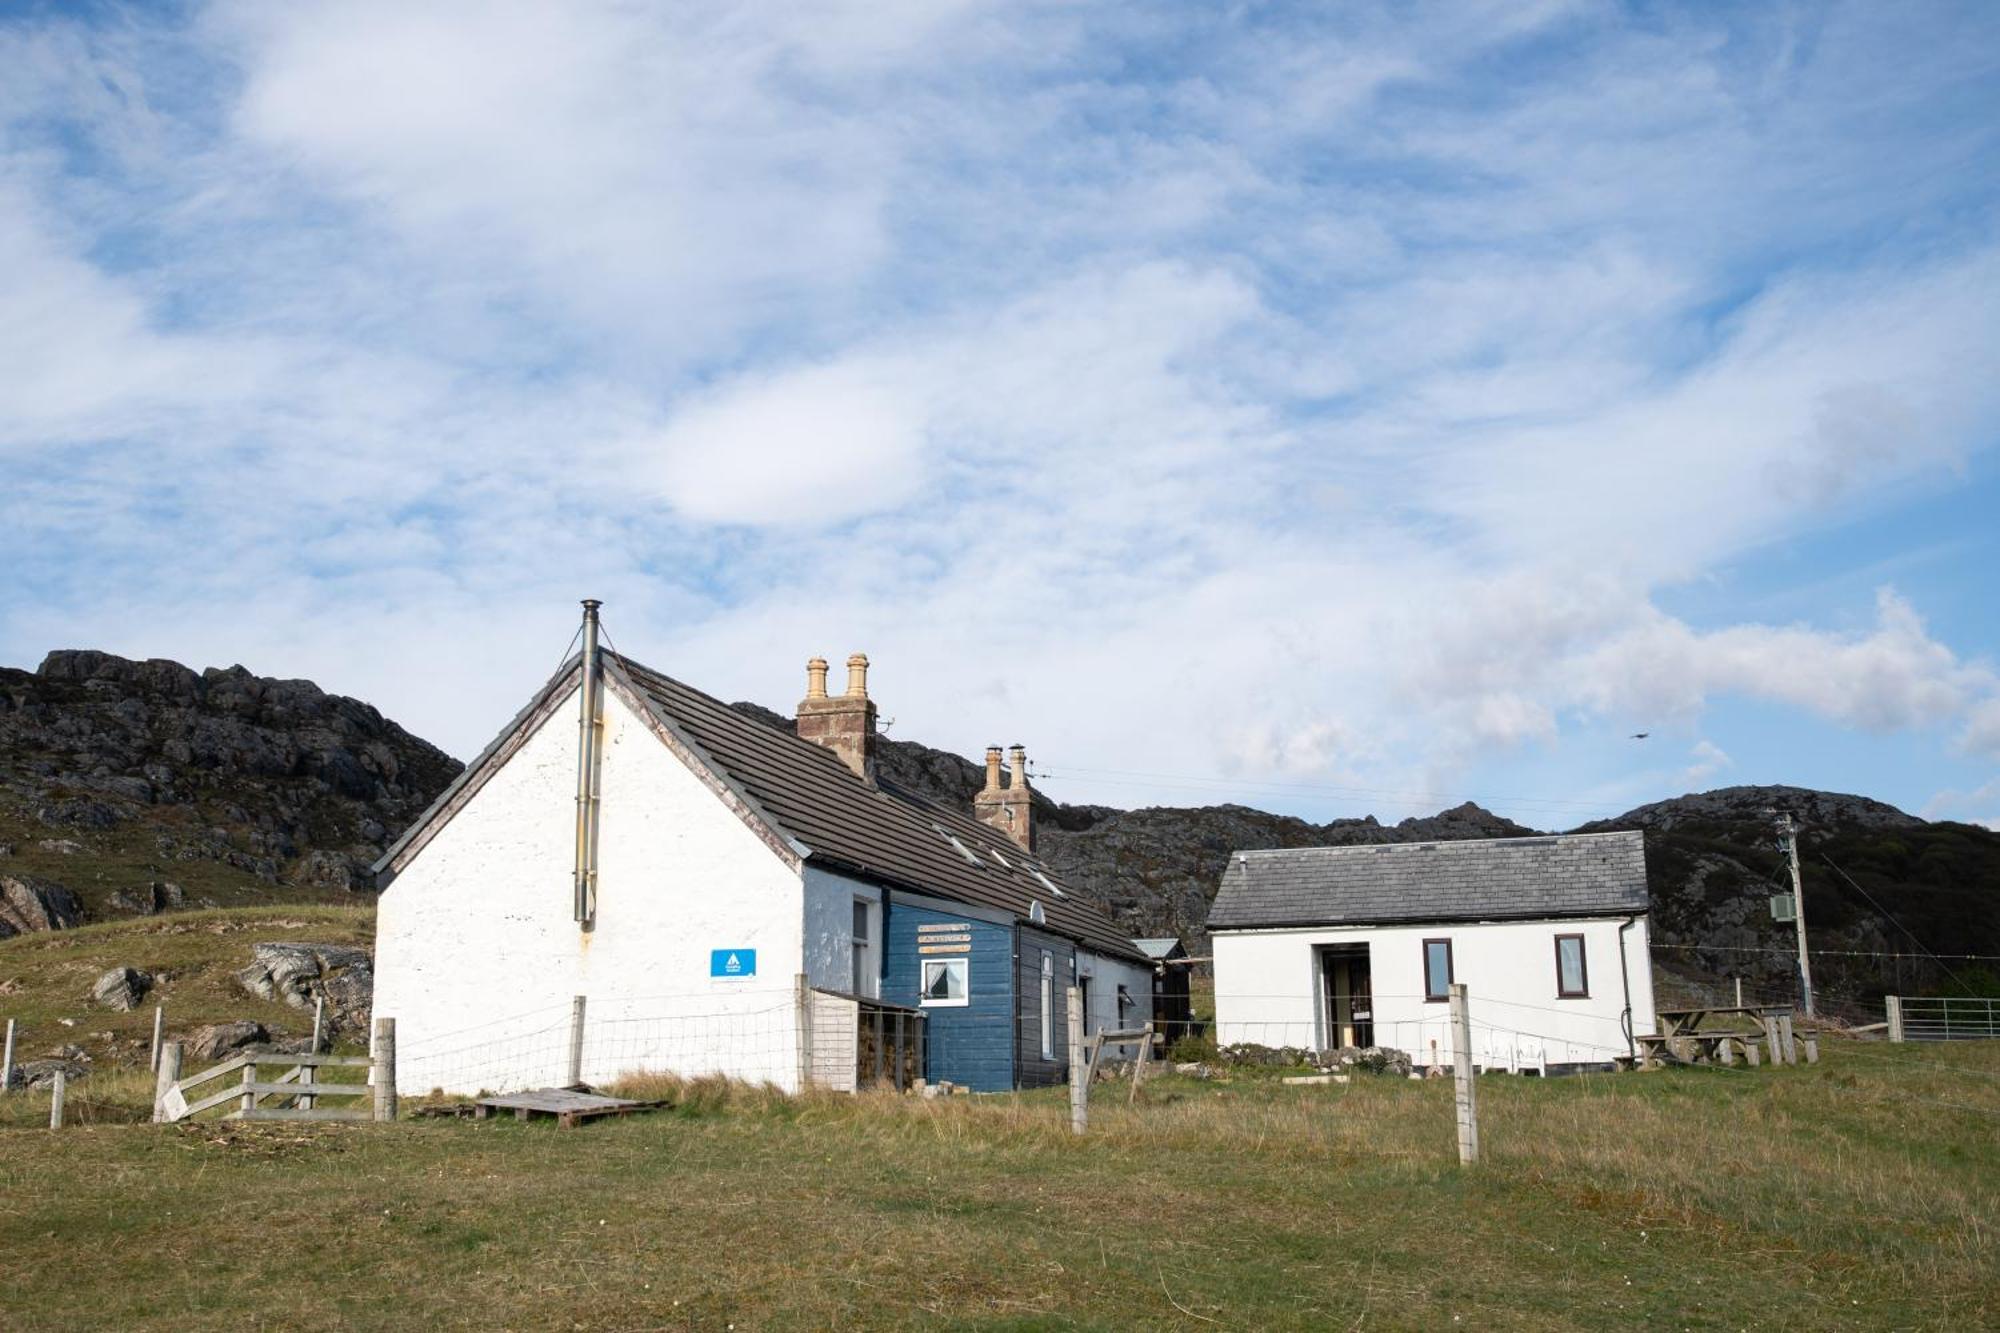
(294,1094)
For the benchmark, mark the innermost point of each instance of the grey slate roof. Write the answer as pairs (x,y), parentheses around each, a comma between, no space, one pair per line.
(1160,948)
(805,794)
(881,832)
(1491,879)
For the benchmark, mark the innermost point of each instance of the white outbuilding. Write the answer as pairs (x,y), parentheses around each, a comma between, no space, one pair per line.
(1328,947)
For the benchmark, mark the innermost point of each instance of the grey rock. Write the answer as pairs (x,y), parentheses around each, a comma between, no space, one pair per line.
(42,1073)
(219,1040)
(29,904)
(121,988)
(297,974)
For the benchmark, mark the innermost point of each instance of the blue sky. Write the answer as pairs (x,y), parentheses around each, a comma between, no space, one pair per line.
(1333,408)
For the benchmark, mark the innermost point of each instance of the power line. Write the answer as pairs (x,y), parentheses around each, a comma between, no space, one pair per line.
(1891,919)
(1834,953)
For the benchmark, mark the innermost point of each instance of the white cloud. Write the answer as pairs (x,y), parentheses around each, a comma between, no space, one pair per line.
(1313,405)
(814,446)
(1980,806)
(1709,759)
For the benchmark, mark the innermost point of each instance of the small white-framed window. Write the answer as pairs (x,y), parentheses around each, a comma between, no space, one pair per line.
(1048,1005)
(867,972)
(946,982)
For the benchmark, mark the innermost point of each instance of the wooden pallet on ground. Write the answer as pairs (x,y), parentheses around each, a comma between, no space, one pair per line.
(568,1106)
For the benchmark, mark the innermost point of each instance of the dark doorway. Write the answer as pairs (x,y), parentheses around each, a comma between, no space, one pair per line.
(1349,990)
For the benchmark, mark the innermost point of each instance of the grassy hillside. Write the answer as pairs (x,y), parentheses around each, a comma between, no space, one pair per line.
(1860,1193)
(193,956)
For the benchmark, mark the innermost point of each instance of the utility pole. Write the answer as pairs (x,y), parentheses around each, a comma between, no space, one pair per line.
(1791,836)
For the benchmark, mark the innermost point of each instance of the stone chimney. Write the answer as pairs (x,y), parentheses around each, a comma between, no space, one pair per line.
(845,724)
(1010,808)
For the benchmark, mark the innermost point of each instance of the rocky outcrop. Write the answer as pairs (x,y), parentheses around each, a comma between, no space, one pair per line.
(28,904)
(121,988)
(297,974)
(272,782)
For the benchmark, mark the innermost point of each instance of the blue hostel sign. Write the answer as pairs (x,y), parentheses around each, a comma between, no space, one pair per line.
(732,964)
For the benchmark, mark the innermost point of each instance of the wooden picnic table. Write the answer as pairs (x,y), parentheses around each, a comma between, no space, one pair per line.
(1685,1022)
(1683,1038)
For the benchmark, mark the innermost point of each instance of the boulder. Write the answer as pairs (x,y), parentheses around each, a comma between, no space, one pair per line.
(297,973)
(121,988)
(29,904)
(41,1073)
(149,899)
(218,1041)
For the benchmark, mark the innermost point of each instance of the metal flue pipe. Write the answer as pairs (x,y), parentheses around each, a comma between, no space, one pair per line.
(589,753)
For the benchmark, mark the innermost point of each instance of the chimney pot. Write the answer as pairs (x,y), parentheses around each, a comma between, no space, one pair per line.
(1010,809)
(845,725)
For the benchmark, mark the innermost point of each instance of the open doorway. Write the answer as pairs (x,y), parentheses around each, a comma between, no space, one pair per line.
(1348,987)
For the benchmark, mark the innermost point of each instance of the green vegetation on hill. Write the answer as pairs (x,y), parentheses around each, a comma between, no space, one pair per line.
(1859,1193)
(193,957)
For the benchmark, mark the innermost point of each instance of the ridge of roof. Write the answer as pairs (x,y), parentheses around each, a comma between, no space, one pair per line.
(878,830)
(1517,840)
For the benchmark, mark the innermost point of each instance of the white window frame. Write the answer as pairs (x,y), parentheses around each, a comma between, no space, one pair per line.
(1048,1005)
(866,970)
(963,966)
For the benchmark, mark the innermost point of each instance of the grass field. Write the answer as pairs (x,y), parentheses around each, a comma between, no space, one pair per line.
(1859,1193)
(1862,1192)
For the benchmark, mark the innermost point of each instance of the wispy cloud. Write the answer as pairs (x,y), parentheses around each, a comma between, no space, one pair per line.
(1286,393)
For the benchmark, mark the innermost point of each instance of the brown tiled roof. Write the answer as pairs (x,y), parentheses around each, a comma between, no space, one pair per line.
(880,832)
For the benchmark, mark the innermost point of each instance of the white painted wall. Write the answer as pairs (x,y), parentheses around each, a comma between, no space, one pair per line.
(477,954)
(829,929)
(1268,989)
(1106,976)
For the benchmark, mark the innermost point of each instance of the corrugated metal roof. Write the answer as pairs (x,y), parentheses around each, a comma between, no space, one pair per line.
(1475,880)
(879,831)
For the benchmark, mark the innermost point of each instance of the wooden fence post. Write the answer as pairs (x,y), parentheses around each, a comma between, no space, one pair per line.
(56,1091)
(1811,1044)
(319,1025)
(170,1074)
(382,1072)
(1463,1076)
(802,1002)
(1785,1037)
(7,1060)
(575,1042)
(1139,1064)
(1894,1005)
(249,1102)
(1079,1072)
(159,1032)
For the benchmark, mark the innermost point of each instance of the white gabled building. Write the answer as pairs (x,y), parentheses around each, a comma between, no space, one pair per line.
(722,859)
(1325,947)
